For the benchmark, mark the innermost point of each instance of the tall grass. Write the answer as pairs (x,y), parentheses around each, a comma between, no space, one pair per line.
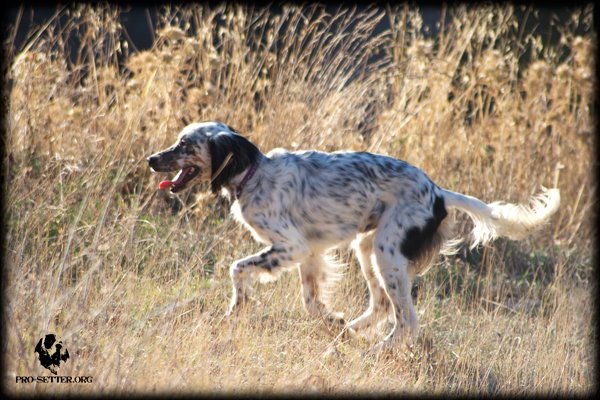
(135,281)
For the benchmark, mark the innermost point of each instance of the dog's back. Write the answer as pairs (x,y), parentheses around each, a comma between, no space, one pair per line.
(334,196)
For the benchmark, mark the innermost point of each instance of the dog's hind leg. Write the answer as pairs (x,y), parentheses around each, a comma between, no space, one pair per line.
(404,235)
(397,283)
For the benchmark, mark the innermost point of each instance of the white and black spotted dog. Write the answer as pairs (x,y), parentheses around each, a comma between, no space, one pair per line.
(302,204)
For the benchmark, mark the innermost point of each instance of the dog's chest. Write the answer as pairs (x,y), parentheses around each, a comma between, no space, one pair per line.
(257,228)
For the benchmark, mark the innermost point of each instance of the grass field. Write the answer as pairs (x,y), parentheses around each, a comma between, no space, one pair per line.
(135,281)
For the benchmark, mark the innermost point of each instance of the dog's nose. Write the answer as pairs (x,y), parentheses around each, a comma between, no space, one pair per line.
(152,161)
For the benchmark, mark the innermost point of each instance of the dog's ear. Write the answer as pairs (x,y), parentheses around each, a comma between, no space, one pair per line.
(243,154)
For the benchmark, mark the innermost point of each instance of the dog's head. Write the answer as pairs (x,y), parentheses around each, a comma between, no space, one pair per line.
(207,151)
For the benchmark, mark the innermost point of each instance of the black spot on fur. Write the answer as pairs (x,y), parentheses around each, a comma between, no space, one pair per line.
(186,148)
(314,234)
(419,239)
(244,154)
(270,251)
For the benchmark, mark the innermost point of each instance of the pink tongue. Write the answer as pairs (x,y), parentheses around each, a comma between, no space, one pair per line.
(165,185)
(176,181)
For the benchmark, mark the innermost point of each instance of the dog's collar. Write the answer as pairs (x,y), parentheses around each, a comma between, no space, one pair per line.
(249,174)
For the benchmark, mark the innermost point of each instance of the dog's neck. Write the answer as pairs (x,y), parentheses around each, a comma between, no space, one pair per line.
(237,188)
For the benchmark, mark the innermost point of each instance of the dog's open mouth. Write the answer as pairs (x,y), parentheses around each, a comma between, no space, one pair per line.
(181,179)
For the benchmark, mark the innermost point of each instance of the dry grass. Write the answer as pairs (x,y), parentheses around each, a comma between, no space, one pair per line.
(137,289)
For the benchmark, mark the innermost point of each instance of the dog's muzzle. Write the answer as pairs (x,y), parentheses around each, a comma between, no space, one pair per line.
(153,162)
(183,177)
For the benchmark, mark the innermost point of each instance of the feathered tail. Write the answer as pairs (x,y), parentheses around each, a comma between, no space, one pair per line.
(515,221)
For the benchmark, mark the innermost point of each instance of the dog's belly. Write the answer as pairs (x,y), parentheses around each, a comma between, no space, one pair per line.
(324,227)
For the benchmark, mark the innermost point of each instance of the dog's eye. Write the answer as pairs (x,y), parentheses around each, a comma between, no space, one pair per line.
(182,142)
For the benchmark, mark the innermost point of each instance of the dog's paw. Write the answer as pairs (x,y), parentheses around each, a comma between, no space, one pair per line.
(335,320)
(234,311)
(332,354)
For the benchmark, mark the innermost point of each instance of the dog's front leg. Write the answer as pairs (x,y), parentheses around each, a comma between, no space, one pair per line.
(271,260)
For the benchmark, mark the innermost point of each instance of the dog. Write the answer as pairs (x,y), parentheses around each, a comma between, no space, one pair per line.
(302,204)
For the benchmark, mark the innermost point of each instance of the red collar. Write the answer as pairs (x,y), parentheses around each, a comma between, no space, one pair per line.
(249,174)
